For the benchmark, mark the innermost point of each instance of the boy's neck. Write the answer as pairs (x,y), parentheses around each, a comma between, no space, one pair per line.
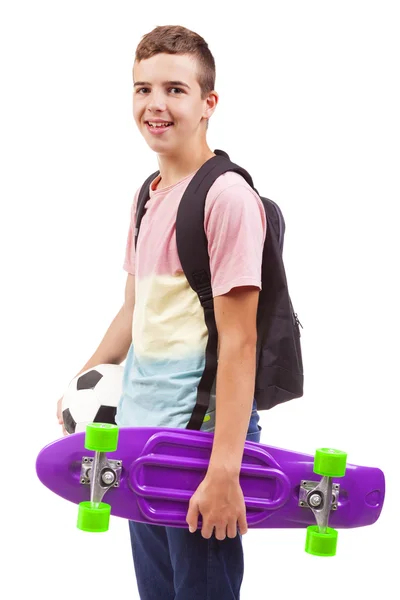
(174,169)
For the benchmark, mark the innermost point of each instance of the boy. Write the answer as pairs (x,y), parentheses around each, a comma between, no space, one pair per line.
(161,331)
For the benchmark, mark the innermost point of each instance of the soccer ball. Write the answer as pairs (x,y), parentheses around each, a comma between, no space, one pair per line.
(92,397)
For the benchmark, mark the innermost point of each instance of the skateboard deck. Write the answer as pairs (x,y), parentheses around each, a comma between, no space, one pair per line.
(152,475)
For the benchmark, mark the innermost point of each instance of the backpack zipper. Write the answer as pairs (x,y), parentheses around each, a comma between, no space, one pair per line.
(296,318)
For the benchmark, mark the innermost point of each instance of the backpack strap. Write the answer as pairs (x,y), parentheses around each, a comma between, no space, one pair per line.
(193,254)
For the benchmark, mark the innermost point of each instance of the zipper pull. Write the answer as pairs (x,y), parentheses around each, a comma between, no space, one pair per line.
(297,320)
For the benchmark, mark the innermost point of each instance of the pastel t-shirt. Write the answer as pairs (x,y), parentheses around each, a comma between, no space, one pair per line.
(166,359)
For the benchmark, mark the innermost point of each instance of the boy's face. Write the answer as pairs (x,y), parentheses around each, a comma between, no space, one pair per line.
(172,102)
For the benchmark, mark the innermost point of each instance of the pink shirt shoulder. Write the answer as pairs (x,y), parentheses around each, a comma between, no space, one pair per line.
(235,225)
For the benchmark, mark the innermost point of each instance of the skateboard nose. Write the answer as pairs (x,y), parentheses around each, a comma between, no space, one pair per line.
(373,492)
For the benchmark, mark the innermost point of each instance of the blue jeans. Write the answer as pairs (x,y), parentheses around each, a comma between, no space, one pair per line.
(173,564)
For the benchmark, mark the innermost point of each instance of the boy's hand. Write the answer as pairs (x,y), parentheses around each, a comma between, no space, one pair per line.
(59,416)
(220,501)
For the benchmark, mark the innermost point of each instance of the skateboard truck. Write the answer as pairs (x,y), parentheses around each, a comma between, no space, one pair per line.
(321,498)
(101,473)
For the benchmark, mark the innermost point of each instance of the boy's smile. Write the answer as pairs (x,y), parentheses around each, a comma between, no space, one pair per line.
(160,127)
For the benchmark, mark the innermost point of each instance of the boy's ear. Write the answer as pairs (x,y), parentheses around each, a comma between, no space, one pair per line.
(212,102)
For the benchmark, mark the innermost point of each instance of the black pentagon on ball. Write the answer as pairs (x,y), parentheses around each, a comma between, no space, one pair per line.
(89,380)
(69,422)
(106,414)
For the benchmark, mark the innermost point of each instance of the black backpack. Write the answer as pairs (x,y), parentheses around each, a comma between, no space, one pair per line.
(279,372)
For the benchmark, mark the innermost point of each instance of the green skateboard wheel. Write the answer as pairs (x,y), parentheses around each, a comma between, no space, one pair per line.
(101,437)
(93,519)
(321,544)
(329,462)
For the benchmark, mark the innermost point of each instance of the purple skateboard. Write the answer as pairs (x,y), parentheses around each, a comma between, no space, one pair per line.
(152,475)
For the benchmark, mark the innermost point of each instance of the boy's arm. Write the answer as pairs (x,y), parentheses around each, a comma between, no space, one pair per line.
(235,315)
(117,340)
(236,225)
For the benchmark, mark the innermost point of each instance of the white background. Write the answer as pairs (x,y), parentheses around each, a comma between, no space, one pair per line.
(309,105)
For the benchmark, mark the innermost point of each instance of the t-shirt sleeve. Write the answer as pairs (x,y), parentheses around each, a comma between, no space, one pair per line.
(236,226)
(129,262)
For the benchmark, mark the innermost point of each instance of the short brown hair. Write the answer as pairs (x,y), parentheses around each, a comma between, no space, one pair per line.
(175,39)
